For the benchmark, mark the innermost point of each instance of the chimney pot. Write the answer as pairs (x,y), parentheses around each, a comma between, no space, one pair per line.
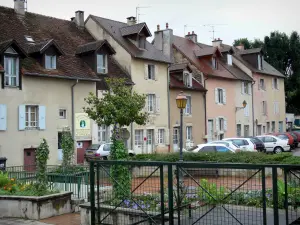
(72,18)
(79,18)
(167,25)
(192,32)
(131,20)
(158,27)
(19,6)
(218,38)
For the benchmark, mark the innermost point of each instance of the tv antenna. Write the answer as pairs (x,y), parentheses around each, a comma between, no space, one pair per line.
(137,10)
(212,26)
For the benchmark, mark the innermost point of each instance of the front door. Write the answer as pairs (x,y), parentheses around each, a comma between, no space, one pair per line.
(138,141)
(210,130)
(81,147)
(150,140)
(29,159)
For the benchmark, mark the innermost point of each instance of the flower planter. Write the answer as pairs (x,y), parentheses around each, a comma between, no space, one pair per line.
(35,208)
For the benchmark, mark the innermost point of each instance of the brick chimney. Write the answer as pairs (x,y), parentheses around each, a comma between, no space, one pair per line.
(19,6)
(163,40)
(131,20)
(240,47)
(79,18)
(217,43)
(192,36)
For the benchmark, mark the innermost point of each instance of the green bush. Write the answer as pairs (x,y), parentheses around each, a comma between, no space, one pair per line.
(222,157)
(4,180)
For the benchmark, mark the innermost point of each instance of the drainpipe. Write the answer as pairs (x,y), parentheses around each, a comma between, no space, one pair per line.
(169,113)
(73,109)
(253,121)
(205,110)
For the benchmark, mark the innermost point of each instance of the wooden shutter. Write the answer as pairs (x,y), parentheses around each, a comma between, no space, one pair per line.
(250,88)
(157,106)
(216,95)
(225,124)
(243,88)
(224,96)
(3,117)
(146,72)
(217,124)
(155,72)
(42,117)
(22,117)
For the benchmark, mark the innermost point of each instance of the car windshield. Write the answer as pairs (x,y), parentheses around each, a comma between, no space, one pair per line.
(93,147)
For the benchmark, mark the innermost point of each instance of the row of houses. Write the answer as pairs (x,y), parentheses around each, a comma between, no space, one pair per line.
(49,65)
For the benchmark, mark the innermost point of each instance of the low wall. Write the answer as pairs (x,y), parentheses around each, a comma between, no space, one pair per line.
(35,208)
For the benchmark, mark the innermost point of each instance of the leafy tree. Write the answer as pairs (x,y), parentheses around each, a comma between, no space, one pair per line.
(243,41)
(120,106)
(42,155)
(67,145)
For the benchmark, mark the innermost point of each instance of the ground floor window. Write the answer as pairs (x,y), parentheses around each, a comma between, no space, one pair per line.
(258,129)
(161,136)
(138,137)
(175,135)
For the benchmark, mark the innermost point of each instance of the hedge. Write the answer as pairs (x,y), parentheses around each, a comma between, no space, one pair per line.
(241,157)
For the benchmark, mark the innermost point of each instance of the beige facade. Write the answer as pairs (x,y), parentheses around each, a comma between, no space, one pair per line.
(148,138)
(53,94)
(194,122)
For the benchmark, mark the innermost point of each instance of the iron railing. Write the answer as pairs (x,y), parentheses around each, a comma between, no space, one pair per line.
(195,193)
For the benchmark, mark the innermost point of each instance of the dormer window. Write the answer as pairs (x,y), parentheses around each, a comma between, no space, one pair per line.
(11,67)
(187,79)
(214,63)
(259,62)
(101,63)
(50,62)
(29,39)
(142,42)
(229,59)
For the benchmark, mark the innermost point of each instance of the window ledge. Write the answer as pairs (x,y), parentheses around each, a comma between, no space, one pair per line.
(11,87)
(32,128)
(187,115)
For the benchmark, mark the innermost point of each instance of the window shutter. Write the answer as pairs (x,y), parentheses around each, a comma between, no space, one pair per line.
(3,117)
(266,105)
(217,124)
(225,124)
(21,117)
(243,88)
(278,108)
(191,80)
(47,62)
(157,106)
(190,104)
(42,117)
(18,72)
(155,72)
(156,137)
(250,88)
(216,95)
(167,136)
(275,108)
(146,72)
(224,96)
(146,104)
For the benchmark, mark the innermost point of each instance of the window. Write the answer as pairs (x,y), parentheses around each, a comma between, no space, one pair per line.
(220,96)
(175,135)
(151,72)
(239,130)
(29,39)
(11,67)
(246,110)
(106,147)
(280,126)
(161,136)
(188,107)
(262,84)
(189,136)
(258,129)
(208,149)
(222,149)
(276,108)
(268,127)
(50,62)
(246,88)
(138,137)
(221,124)
(264,129)
(59,139)
(246,130)
(264,108)
(151,103)
(259,62)
(273,126)
(31,116)
(275,83)
(101,63)
(62,113)
(269,139)
(229,59)
(214,63)
(187,79)
(142,42)
(102,134)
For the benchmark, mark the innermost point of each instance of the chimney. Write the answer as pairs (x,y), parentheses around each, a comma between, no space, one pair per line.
(241,47)
(163,40)
(131,20)
(19,7)
(217,43)
(192,37)
(79,18)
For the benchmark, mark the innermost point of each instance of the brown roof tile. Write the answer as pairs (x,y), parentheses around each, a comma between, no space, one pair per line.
(205,51)
(42,46)
(178,66)
(176,83)
(134,29)
(93,46)
(250,51)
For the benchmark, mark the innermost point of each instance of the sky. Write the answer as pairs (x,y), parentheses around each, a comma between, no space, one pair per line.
(233,19)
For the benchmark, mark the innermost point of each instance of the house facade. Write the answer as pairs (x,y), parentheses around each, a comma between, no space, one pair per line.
(148,69)
(43,85)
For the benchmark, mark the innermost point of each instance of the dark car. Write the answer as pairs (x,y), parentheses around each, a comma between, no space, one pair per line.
(260,146)
(295,137)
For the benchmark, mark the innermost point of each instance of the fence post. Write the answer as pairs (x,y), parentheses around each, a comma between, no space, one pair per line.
(263,177)
(286,204)
(162,195)
(170,193)
(275,195)
(92,192)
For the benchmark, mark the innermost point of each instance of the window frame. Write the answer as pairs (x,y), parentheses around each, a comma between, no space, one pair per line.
(161,136)
(214,62)
(103,68)
(239,134)
(189,133)
(246,88)
(151,72)
(138,137)
(187,79)
(102,132)
(64,112)
(28,119)
(52,60)
(220,95)
(153,101)
(221,123)
(9,57)
(264,108)
(188,107)
(262,84)
(175,135)
(275,83)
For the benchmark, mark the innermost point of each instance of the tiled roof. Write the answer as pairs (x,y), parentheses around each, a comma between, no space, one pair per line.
(93,46)
(205,51)
(178,66)
(114,29)
(42,46)
(250,51)
(176,83)
(40,28)
(134,29)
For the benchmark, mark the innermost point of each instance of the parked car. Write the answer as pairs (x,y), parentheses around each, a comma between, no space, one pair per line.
(297,133)
(260,146)
(228,144)
(101,151)
(286,136)
(245,144)
(275,144)
(296,142)
(211,148)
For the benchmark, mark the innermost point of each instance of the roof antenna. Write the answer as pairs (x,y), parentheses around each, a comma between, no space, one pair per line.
(212,26)
(137,10)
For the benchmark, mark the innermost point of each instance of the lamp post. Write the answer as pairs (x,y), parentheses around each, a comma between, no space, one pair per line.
(181,100)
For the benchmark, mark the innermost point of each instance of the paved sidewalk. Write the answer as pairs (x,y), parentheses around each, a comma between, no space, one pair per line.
(67,219)
(11,221)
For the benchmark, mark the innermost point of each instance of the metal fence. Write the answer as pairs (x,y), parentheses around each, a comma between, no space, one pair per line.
(58,179)
(194,193)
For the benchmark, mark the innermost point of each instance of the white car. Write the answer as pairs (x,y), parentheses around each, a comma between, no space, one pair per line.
(227,143)
(245,144)
(102,151)
(211,148)
(274,144)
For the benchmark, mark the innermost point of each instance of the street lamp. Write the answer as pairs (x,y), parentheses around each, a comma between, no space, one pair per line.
(244,106)
(181,100)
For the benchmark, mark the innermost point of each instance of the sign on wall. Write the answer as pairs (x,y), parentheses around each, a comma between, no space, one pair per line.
(82,126)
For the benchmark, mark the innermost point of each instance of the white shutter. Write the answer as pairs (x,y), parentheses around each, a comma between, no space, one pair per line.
(155,72)
(54,61)
(191,80)
(224,96)
(243,88)
(18,72)
(278,108)
(146,104)
(216,95)
(21,117)
(146,72)
(157,106)
(167,136)
(42,117)
(156,137)
(225,124)
(275,108)
(250,88)
(3,117)
(217,124)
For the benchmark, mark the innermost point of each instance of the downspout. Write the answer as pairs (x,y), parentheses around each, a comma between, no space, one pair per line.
(205,110)
(169,113)
(131,131)
(73,109)
(253,121)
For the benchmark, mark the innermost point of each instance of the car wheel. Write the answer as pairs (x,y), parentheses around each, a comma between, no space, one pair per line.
(278,150)
(131,155)
(104,157)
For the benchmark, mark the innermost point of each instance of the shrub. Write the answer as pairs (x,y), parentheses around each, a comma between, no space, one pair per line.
(4,180)
(42,155)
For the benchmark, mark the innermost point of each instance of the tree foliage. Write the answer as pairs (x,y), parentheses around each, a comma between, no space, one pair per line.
(67,145)
(42,155)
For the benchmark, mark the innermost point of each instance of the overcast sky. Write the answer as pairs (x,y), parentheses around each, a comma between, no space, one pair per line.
(238,18)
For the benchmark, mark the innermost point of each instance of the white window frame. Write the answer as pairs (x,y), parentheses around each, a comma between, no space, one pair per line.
(189,133)
(102,68)
(102,133)
(214,62)
(151,72)
(64,112)
(229,59)
(221,123)
(175,135)
(151,102)
(187,79)
(161,136)
(138,137)
(28,111)
(220,96)
(188,107)
(52,60)
(8,75)
(259,62)
(246,88)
